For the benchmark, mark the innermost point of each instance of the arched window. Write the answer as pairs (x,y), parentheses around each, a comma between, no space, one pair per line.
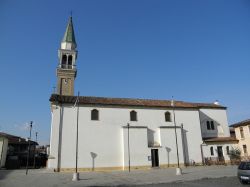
(212,151)
(133,116)
(70,61)
(94,114)
(167,116)
(64,61)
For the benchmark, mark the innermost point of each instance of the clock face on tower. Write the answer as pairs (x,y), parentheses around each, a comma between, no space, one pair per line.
(65,81)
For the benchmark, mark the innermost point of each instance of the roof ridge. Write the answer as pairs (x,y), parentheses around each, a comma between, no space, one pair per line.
(241,123)
(130,101)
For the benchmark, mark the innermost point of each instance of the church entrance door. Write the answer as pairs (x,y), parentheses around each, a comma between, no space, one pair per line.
(155,157)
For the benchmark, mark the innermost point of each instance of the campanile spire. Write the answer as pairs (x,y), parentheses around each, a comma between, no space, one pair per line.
(67,54)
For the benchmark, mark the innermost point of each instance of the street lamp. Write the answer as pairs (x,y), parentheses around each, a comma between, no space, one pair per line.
(76,174)
(28,155)
(178,169)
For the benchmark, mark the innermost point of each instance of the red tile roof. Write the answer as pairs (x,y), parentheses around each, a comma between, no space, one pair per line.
(241,123)
(16,139)
(84,100)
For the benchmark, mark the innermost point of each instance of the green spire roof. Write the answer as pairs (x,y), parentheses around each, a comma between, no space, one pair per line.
(69,35)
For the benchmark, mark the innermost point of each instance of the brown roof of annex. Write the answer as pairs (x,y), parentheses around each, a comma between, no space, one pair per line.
(241,123)
(221,139)
(12,139)
(84,100)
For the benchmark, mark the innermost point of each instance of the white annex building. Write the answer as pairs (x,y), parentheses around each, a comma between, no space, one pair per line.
(118,133)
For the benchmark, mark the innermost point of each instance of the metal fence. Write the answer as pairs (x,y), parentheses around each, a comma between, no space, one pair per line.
(221,160)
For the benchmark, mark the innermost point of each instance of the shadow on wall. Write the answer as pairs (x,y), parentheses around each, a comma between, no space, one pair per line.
(60,139)
(185,146)
(204,126)
(93,156)
(151,137)
(168,150)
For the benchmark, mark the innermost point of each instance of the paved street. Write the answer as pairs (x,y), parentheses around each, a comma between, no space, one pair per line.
(219,182)
(152,177)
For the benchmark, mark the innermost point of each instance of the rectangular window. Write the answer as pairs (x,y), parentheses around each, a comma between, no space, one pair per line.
(245,149)
(212,125)
(242,132)
(212,151)
(208,125)
(227,150)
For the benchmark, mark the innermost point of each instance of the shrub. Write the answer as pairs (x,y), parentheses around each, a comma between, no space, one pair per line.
(235,153)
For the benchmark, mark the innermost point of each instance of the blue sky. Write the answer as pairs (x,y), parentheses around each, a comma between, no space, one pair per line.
(197,51)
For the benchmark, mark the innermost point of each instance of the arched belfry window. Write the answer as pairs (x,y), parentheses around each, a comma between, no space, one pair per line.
(133,115)
(94,114)
(168,117)
(70,61)
(64,61)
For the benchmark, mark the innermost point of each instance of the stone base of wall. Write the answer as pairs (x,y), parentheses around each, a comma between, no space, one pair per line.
(146,167)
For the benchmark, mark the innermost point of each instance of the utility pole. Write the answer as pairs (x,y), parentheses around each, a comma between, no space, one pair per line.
(76,174)
(178,169)
(35,153)
(128,150)
(28,155)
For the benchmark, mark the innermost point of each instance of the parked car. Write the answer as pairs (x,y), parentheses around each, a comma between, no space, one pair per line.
(244,172)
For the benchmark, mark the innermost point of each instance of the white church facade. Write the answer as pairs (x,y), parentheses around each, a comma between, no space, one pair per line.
(120,133)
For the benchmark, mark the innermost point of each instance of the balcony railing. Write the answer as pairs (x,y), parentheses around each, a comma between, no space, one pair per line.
(66,66)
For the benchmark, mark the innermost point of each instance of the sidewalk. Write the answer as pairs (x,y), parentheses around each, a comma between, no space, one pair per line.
(9,178)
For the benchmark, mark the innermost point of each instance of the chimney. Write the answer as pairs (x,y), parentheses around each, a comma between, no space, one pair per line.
(216,102)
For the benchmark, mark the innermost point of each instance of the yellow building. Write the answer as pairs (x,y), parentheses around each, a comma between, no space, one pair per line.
(242,133)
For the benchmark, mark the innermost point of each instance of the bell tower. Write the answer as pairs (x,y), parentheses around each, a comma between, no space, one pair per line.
(67,54)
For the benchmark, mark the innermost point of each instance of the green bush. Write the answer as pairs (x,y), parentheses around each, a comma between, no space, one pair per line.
(235,153)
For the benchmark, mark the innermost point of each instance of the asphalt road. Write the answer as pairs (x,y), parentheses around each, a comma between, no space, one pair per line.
(219,182)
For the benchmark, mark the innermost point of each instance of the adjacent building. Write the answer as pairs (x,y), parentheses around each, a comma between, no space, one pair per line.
(3,150)
(14,150)
(100,133)
(242,133)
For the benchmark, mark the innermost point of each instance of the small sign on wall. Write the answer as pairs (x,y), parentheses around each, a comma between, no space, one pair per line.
(149,158)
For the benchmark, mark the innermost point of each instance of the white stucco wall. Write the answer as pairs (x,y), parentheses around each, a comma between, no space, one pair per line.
(207,152)
(103,143)
(138,144)
(168,153)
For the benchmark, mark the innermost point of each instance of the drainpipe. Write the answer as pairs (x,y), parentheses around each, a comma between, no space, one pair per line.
(202,154)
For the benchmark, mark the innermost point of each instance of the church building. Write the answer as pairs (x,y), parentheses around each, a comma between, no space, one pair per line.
(100,133)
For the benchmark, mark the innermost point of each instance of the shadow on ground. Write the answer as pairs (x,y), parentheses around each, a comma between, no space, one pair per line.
(4,173)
